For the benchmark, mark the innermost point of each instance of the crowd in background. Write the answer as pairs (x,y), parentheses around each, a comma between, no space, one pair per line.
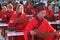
(16,15)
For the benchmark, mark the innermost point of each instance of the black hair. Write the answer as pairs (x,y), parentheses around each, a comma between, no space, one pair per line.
(39,4)
(48,5)
(38,9)
(21,2)
(9,2)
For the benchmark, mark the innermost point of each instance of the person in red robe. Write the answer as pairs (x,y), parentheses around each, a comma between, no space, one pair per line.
(18,21)
(50,10)
(4,10)
(50,13)
(8,13)
(38,28)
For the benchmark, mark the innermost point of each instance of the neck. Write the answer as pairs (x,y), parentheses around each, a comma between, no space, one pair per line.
(39,18)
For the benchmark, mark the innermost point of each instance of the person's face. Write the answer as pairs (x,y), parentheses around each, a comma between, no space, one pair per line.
(42,14)
(50,7)
(20,9)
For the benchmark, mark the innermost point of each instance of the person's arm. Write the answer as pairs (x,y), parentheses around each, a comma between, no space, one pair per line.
(29,28)
(24,20)
(50,31)
(27,31)
(42,34)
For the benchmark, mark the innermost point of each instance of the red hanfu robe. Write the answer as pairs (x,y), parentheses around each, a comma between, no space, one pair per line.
(18,27)
(44,27)
(7,15)
(50,15)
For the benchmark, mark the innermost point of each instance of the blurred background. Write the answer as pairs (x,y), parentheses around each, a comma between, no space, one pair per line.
(54,3)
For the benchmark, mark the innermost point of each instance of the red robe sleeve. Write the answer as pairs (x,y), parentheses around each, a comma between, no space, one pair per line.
(22,26)
(46,27)
(11,24)
(23,16)
(49,29)
(4,14)
(5,17)
(29,27)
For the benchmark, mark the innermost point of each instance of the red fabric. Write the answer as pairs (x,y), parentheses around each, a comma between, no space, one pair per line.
(59,15)
(11,20)
(45,27)
(4,17)
(19,26)
(51,12)
(1,14)
(19,38)
(25,6)
(28,9)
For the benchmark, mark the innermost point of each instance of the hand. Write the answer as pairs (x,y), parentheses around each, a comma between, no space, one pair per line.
(32,33)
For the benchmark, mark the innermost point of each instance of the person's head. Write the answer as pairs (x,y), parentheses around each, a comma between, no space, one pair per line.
(10,7)
(50,7)
(20,9)
(41,12)
(4,8)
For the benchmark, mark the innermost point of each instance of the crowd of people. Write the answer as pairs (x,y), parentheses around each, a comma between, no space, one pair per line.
(36,27)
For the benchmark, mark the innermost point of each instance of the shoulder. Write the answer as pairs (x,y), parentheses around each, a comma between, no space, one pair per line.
(45,21)
(33,21)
